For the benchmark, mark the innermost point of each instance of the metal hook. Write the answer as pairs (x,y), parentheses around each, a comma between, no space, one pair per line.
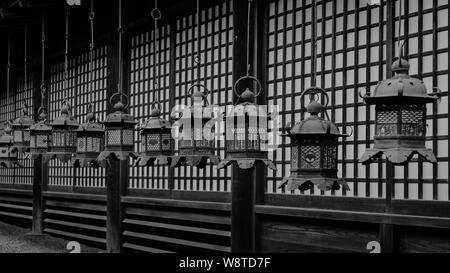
(438,94)
(351,133)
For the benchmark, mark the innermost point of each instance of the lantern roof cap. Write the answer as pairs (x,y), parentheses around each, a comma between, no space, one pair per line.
(40,126)
(155,121)
(400,87)
(247,96)
(24,120)
(119,117)
(65,119)
(315,125)
(314,108)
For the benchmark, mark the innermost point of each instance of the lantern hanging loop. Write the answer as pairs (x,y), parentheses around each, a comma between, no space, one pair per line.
(91,50)
(156,15)
(66,52)
(119,105)
(25,57)
(199,87)
(8,67)
(197,58)
(313,91)
(246,94)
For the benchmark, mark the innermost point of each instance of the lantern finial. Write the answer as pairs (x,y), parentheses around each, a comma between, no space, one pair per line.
(248,96)
(314,108)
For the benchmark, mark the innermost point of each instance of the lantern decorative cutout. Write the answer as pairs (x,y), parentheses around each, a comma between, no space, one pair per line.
(246,131)
(156,139)
(400,121)
(119,140)
(40,136)
(64,135)
(90,142)
(8,153)
(195,147)
(314,149)
(21,131)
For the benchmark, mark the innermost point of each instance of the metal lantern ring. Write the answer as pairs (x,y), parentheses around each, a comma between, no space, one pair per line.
(119,132)
(314,149)
(400,121)
(8,153)
(90,142)
(246,130)
(156,139)
(64,135)
(194,148)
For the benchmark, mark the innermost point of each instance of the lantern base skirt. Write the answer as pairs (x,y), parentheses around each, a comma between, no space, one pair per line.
(306,183)
(199,161)
(9,163)
(144,160)
(116,155)
(246,163)
(398,156)
(85,162)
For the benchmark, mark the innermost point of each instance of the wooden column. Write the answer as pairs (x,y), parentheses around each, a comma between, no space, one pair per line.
(247,187)
(387,240)
(117,172)
(40,168)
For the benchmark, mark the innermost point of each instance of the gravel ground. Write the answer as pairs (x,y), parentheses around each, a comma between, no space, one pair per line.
(14,239)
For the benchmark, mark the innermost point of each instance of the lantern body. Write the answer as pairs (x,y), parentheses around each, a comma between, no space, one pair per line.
(247,131)
(195,140)
(8,154)
(119,135)
(400,112)
(314,156)
(90,143)
(64,136)
(155,142)
(40,138)
(21,132)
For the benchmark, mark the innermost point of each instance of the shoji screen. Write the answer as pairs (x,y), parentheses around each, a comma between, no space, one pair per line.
(79,95)
(426,28)
(216,73)
(351,54)
(141,81)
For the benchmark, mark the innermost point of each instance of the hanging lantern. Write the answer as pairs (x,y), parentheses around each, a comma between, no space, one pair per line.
(21,127)
(400,119)
(8,153)
(314,150)
(90,142)
(195,147)
(156,139)
(40,136)
(64,135)
(246,131)
(118,133)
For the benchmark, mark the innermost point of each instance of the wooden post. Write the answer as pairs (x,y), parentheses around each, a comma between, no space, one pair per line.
(387,239)
(117,173)
(247,187)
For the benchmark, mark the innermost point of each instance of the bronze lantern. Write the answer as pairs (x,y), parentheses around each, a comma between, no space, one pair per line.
(8,153)
(119,140)
(314,150)
(195,148)
(64,135)
(400,121)
(40,136)
(246,130)
(21,131)
(90,142)
(156,139)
